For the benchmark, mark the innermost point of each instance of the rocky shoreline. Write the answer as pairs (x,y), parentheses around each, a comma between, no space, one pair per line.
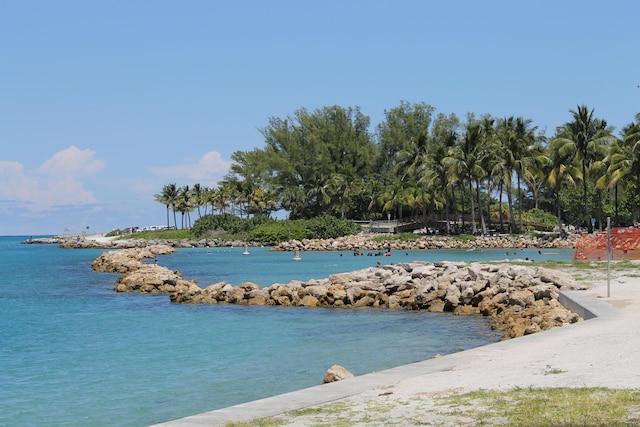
(366,242)
(520,299)
(362,242)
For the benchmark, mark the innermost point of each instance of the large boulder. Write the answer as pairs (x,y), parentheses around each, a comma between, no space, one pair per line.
(151,279)
(336,373)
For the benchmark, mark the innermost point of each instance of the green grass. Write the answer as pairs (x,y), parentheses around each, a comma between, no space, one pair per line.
(553,371)
(258,422)
(520,407)
(534,407)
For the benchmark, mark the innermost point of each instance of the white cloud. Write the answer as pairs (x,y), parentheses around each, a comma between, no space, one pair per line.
(55,183)
(210,169)
(72,162)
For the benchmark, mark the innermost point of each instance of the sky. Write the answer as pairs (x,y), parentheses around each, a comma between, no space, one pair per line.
(102,103)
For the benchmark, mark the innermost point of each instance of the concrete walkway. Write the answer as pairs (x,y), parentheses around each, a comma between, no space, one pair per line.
(600,352)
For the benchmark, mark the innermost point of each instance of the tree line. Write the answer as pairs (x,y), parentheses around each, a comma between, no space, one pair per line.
(432,168)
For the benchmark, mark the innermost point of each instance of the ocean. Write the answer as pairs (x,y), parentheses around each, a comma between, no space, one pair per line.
(73,352)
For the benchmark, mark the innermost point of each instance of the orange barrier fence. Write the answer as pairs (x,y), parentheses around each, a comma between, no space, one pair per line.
(625,244)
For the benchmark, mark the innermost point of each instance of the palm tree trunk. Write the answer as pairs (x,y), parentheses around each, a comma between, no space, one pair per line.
(635,205)
(512,218)
(483,227)
(474,230)
(446,210)
(500,191)
(489,188)
(558,209)
(462,202)
(600,210)
(424,205)
(520,205)
(586,200)
(617,220)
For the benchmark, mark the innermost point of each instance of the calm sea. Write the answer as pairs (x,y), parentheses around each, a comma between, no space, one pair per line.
(75,353)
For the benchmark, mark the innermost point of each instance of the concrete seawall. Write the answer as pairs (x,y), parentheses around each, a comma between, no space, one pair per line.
(514,363)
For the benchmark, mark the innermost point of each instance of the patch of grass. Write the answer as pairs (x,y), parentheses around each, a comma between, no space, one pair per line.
(381,406)
(466,238)
(333,408)
(520,407)
(337,414)
(558,407)
(340,414)
(552,371)
(258,422)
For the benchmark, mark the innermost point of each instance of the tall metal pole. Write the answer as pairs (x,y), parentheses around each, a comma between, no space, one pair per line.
(608,257)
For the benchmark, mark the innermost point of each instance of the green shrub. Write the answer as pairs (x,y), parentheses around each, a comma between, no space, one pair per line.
(330,227)
(538,216)
(278,231)
(268,230)
(227,223)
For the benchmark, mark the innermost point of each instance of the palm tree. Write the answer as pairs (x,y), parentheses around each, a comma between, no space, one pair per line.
(263,202)
(589,137)
(507,136)
(624,161)
(208,199)
(169,197)
(184,205)
(197,196)
(437,175)
(466,159)
(403,139)
(394,197)
(372,190)
(340,189)
(491,159)
(412,159)
(519,153)
(631,136)
(294,200)
(161,199)
(561,170)
(530,155)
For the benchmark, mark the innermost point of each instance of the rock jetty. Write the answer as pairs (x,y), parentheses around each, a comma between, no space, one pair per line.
(138,276)
(520,299)
(87,243)
(365,242)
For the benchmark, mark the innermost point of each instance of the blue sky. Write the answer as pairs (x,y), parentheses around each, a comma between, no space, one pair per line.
(104,102)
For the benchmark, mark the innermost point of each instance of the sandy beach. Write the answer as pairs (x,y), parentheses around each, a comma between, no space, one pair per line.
(599,352)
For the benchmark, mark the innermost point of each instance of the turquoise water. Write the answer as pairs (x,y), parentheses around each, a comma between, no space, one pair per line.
(265,267)
(75,353)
